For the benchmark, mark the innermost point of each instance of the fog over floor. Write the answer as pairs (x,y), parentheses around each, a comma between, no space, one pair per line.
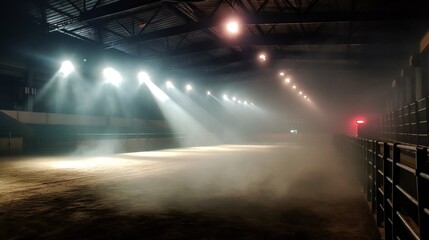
(276,190)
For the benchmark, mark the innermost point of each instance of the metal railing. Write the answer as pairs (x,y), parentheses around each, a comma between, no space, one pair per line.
(408,124)
(395,179)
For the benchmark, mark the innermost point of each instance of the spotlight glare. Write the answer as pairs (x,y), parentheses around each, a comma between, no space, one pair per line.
(225,97)
(232,27)
(245,102)
(300,93)
(262,57)
(112,76)
(252,104)
(188,87)
(209,93)
(234,99)
(305,96)
(239,101)
(67,67)
(169,85)
(282,74)
(143,77)
(156,91)
(287,80)
(294,87)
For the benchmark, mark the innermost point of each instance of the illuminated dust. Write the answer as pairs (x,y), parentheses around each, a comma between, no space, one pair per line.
(271,191)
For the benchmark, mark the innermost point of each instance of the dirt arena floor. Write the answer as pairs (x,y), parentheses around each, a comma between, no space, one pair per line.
(272,191)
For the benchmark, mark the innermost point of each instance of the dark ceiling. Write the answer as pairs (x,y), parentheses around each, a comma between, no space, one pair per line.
(190,35)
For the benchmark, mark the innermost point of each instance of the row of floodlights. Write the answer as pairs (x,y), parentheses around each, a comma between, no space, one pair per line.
(113,77)
(234,99)
(188,88)
(288,81)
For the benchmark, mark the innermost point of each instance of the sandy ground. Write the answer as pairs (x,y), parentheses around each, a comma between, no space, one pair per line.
(276,191)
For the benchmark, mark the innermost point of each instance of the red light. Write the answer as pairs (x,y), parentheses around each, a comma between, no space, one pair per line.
(360,121)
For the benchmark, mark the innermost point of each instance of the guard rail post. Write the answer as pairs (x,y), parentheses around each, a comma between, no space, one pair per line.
(387,190)
(365,180)
(368,162)
(361,148)
(373,177)
(379,183)
(395,196)
(422,191)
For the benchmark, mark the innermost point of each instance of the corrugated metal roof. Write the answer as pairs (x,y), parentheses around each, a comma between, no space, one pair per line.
(164,19)
(143,31)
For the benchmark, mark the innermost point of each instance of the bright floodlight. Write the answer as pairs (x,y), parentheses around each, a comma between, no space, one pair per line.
(209,93)
(233,27)
(112,76)
(188,87)
(245,102)
(234,99)
(239,101)
(282,74)
(294,87)
(360,121)
(143,77)
(300,93)
(305,96)
(67,67)
(287,80)
(225,97)
(169,85)
(262,57)
(252,104)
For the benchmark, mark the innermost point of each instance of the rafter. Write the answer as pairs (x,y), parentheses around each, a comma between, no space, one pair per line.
(150,20)
(225,73)
(96,4)
(124,28)
(181,40)
(74,5)
(207,31)
(84,5)
(42,11)
(270,40)
(312,5)
(59,25)
(219,2)
(288,3)
(262,5)
(195,9)
(70,33)
(115,9)
(247,12)
(275,18)
(113,32)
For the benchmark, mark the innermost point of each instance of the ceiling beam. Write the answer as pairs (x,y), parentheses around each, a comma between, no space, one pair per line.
(283,40)
(120,8)
(314,56)
(276,18)
(230,73)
